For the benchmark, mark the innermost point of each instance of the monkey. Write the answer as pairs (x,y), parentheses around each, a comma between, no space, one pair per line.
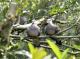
(6,25)
(33,31)
(51,29)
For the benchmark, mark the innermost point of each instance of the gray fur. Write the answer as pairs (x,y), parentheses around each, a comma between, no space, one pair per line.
(50,28)
(33,30)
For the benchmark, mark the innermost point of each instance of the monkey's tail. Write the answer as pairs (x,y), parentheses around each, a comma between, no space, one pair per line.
(36,42)
(57,40)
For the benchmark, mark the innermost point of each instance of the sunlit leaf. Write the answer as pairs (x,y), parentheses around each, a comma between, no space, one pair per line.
(55,49)
(72,57)
(31,48)
(64,54)
(39,53)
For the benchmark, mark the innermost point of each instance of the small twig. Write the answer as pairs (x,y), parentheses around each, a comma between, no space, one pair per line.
(67,36)
(70,47)
(72,53)
(69,27)
(61,22)
(15,36)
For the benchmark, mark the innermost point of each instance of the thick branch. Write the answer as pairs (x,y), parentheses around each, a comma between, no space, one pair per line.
(18,26)
(17,36)
(43,38)
(67,46)
(67,36)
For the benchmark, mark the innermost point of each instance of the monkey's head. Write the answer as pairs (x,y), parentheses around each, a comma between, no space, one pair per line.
(49,20)
(12,12)
(33,21)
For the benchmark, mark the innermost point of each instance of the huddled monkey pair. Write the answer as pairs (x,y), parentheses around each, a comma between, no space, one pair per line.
(34,31)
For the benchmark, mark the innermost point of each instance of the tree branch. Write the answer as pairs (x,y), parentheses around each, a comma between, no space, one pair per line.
(18,36)
(42,45)
(69,27)
(18,26)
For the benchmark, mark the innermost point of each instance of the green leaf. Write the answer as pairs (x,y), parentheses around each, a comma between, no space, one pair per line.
(39,53)
(55,9)
(64,54)
(31,47)
(55,49)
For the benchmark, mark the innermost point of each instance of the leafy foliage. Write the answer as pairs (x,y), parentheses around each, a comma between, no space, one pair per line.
(57,51)
(37,53)
(65,14)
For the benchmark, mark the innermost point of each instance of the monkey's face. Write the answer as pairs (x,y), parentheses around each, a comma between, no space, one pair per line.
(49,20)
(11,17)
